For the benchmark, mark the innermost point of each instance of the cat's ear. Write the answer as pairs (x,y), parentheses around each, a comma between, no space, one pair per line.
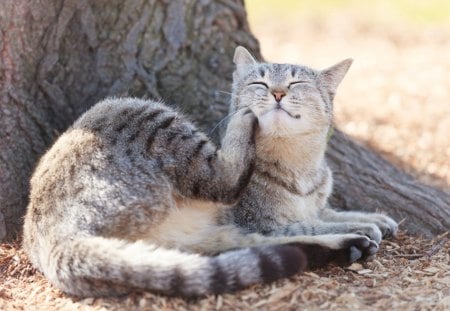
(243,57)
(332,77)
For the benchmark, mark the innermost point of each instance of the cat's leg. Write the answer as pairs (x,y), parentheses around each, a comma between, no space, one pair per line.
(320,227)
(319,250)
(387,225)
(219,175)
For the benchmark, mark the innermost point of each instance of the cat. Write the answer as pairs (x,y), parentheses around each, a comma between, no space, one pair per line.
(134,196)
(288,192)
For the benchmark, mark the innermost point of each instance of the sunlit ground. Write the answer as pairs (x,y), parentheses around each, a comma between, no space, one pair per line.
(396,96)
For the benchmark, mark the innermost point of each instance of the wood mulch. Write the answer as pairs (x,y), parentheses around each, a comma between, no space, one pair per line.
(408,273)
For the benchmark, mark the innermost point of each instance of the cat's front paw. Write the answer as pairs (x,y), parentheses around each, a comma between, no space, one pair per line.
(250,120)
(387,225)
(243,125)
(371,231)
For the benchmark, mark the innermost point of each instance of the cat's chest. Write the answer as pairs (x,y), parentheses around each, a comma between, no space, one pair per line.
(296,207)
(310,198)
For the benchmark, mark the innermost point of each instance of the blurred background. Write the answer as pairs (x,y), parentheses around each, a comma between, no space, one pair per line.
(396,96)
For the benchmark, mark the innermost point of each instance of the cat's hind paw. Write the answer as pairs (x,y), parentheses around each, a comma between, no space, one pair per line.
(361,248)
(354,247)
(340,249)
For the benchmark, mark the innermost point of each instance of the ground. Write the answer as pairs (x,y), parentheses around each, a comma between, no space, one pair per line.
(396,99)
(408,273)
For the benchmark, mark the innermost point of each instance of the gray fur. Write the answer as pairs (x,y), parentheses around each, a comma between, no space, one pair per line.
(288,192)
(133,195)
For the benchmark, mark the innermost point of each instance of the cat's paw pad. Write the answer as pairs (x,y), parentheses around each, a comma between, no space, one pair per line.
(341,249)
(361,248)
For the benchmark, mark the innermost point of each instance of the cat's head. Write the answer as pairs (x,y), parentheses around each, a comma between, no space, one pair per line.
(288,100)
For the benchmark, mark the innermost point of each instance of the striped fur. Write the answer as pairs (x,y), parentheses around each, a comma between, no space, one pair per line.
(134,196)
(288,192)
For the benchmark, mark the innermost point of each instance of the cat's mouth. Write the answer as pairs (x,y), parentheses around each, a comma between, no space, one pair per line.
(295,116)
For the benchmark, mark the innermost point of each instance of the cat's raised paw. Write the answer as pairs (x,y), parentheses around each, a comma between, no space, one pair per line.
(249,119)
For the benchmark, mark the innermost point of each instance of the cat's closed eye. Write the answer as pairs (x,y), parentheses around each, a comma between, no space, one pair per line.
(298,83)
(258,83)
(259,88)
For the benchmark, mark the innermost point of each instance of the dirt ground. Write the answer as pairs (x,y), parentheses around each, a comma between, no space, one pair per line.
(408,273)
(396,99)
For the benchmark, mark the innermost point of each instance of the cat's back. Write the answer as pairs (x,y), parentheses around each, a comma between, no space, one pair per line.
(110,143)
(114,116)
(98,133)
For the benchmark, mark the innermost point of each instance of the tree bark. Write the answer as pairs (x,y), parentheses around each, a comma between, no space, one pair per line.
(59,57)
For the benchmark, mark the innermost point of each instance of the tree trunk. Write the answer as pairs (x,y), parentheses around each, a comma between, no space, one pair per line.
(363,180)
(60,57)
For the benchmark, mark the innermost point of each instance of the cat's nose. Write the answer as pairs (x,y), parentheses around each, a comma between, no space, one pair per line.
(278,95)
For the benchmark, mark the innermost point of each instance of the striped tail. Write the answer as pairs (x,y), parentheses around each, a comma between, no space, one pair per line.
(96,266)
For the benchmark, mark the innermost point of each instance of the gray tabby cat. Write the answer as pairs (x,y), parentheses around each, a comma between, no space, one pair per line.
(133,196)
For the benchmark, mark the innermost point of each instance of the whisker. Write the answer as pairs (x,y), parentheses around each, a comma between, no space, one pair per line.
(225,92)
